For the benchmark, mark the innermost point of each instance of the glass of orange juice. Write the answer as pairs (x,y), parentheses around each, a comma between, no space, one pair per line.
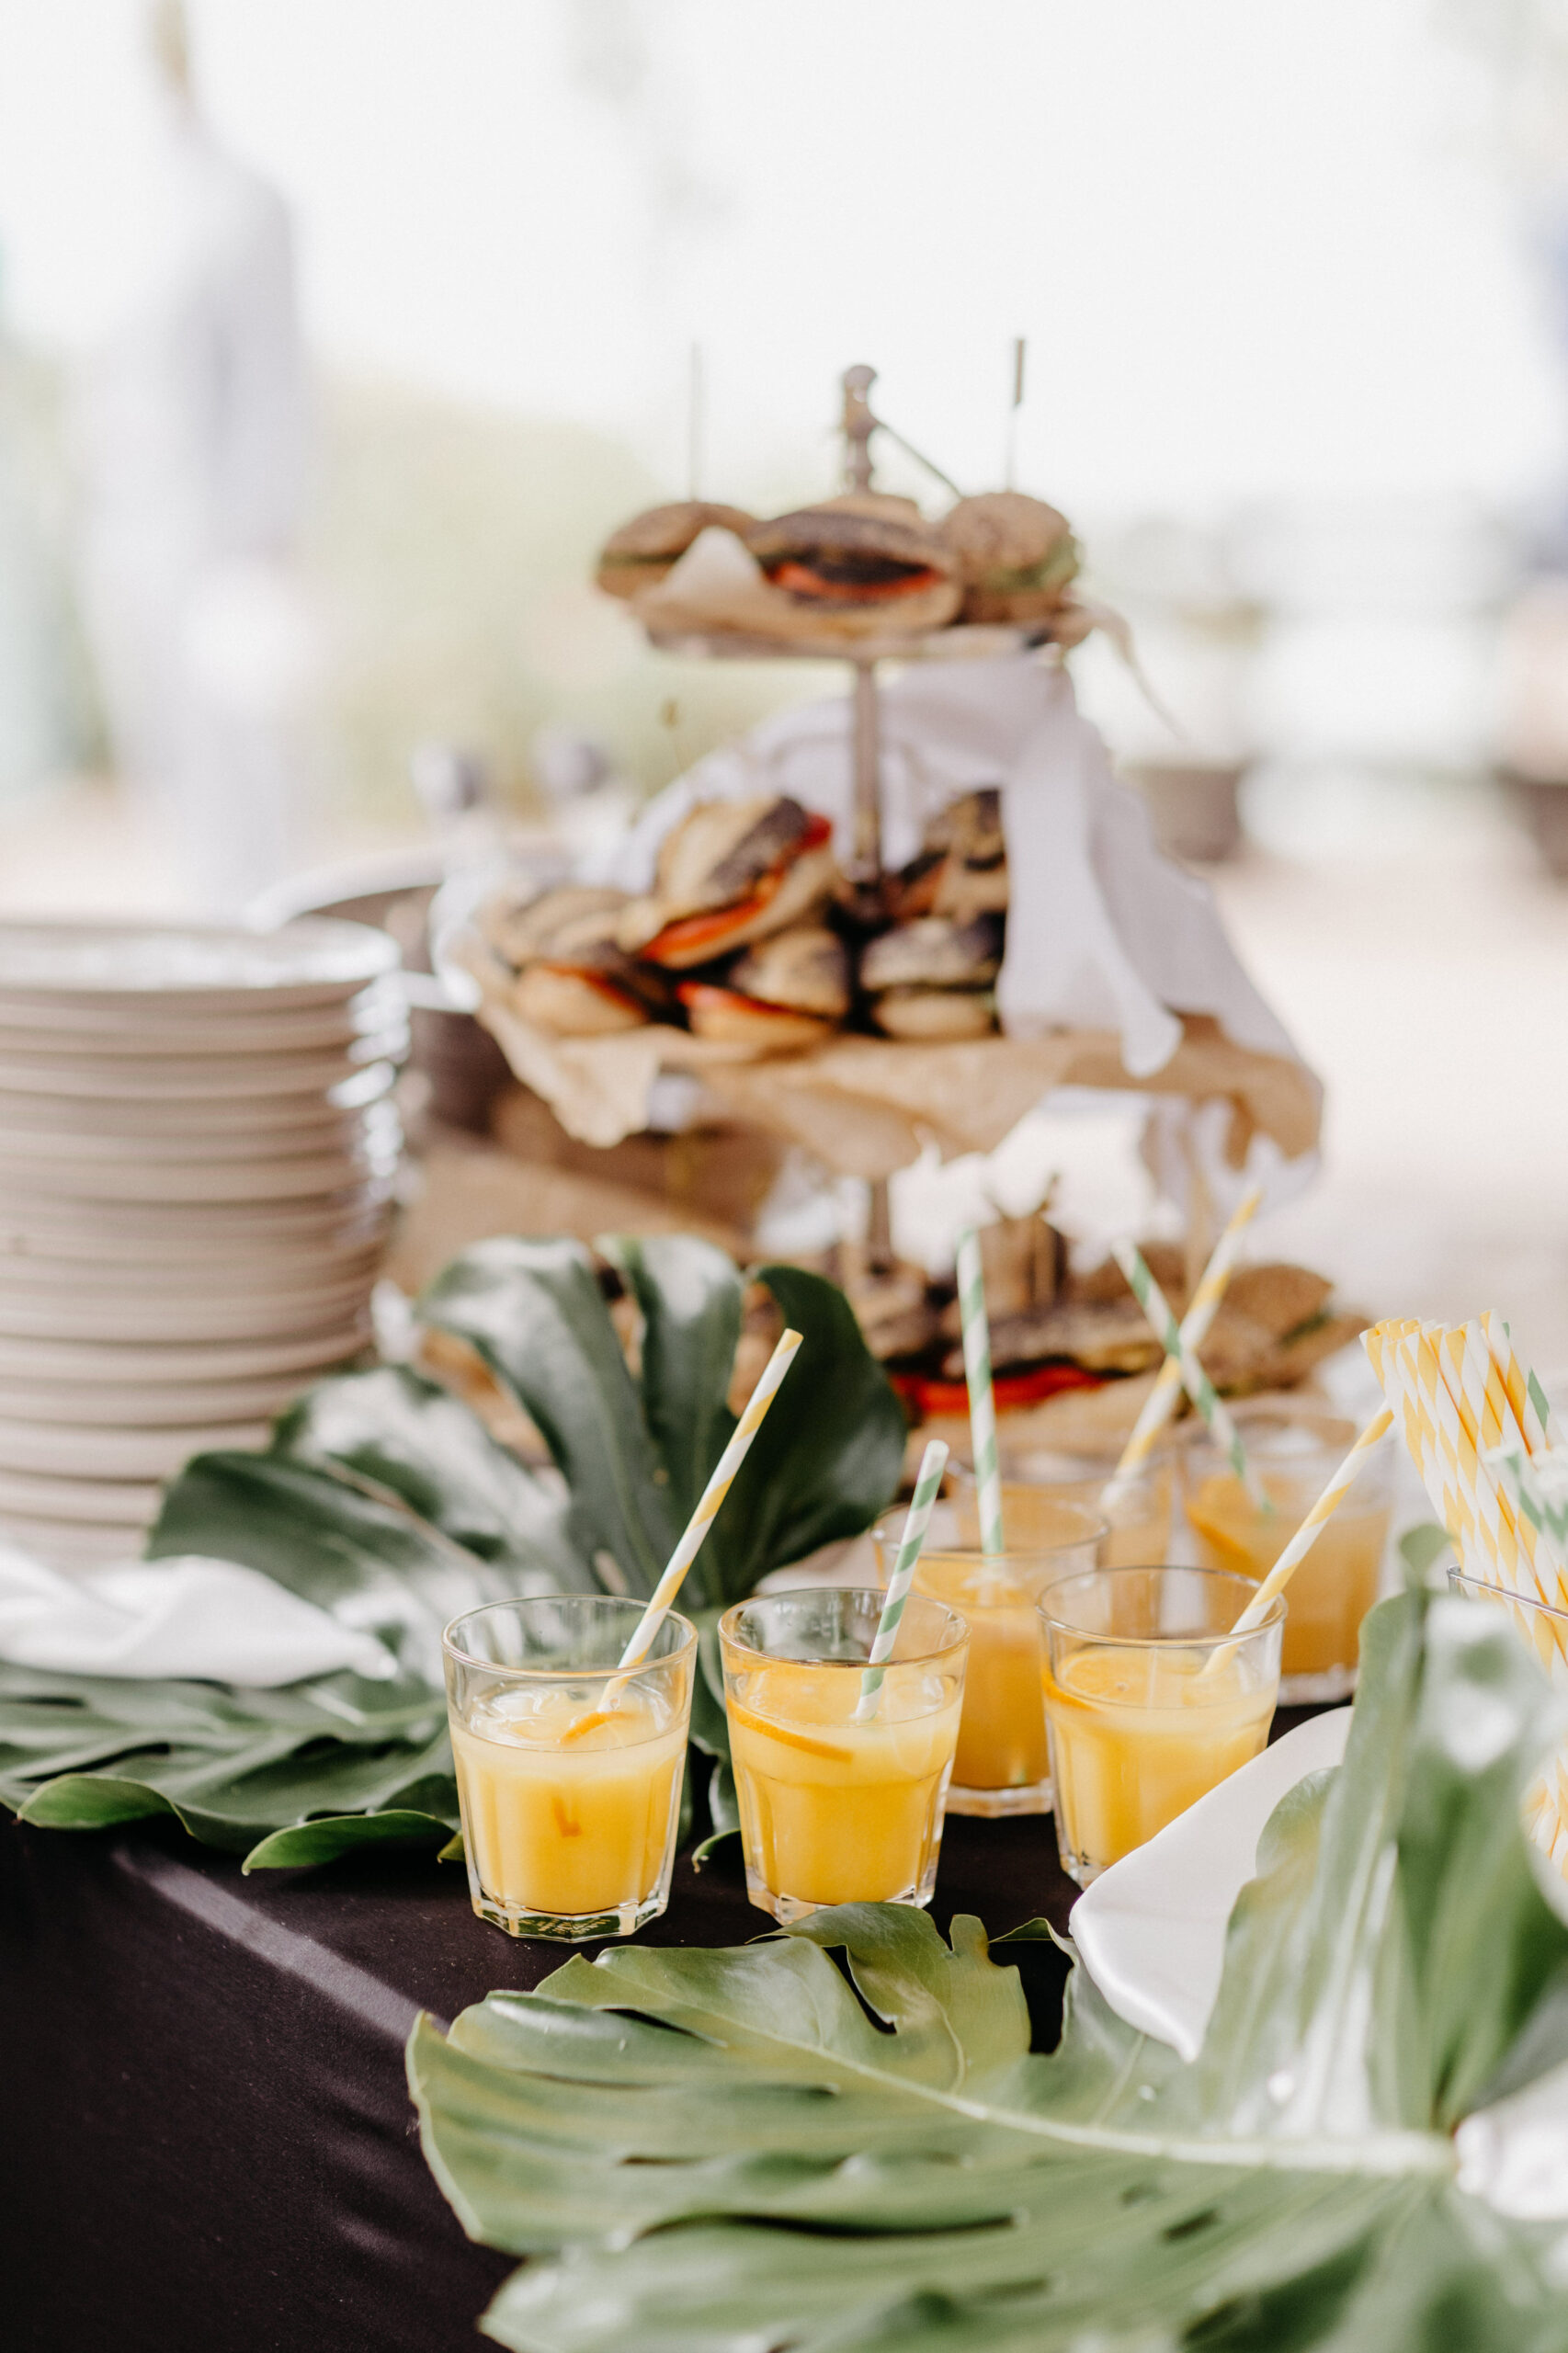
(1149,1701)
(569,1773)
(835,1810)
(1037,1478)
(1002,1767)
(1295,1446)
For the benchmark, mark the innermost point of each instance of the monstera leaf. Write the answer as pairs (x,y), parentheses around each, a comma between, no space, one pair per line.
(839,2138)
(382,1497)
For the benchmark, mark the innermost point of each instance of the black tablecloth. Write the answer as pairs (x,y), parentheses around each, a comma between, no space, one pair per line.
(206,2139)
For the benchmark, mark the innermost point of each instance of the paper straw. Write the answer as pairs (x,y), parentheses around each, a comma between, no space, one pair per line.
(1201,1311)
(1306,1536)
(981,1405)
(1196,1381)
(661,1600)
(1526,1395)
(933,1462)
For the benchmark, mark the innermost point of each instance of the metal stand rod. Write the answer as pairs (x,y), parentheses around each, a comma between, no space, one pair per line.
(878,1228)
(866,740)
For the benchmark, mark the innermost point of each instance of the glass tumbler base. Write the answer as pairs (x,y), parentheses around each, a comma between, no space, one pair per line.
(786,1909)
(991,1806)
(570,1927)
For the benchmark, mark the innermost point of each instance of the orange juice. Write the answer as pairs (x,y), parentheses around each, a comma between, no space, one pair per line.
(1002,1767)
(833,1811)
(1000,1743)
(574,1830)
(1137,1734)
(1037,1483)
(1294,1446)
(1336,1584)
(835,1808)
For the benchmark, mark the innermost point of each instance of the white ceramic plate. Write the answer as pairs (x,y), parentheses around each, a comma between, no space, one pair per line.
(74,1543)
(76,1451)
(196,1117)
(134,1406)
(276,1267)
(171,1231)
(119,1501)
(172,1025)
(172,1184)
(204,1311)
(346,1079)
(180,1362)
(347,1134)
(217,967)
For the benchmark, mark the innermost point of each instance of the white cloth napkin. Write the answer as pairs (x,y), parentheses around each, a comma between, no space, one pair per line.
(211,1621)
(1151,1928)
(1105,933)
(1151,1934)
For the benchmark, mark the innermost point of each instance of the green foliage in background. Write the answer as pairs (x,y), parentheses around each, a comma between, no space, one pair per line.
(383,1498)
(744,2151)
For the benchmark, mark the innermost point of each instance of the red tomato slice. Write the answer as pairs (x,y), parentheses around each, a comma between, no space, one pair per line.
(928,1395)
(804,582)
(691,940)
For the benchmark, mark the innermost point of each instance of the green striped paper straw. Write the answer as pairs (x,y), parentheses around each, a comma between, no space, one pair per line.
(933,1463)
(1195,1380)
(981,1405)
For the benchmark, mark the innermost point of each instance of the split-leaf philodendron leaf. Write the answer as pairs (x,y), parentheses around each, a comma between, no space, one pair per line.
(382,1497)
(749,2151)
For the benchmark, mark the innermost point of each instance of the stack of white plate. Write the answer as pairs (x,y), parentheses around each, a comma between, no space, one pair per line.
(198,1147)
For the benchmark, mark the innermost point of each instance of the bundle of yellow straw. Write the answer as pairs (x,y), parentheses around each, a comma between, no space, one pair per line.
(1466,1408)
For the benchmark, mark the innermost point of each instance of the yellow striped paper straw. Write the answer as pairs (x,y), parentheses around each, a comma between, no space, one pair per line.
(1306,1536)
(981,1402)
(1526,1395)
(1202,1308)
(661,1600)
(1442,1446)
(933,1462)
(1195,1380)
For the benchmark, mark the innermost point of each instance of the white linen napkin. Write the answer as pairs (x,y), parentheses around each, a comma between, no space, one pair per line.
(1151,1928)
(212,1621)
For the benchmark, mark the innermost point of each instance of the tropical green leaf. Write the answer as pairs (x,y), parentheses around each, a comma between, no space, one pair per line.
(534,1313)
(82,1752)
(322,1840)
(829,1459)
(402,1436)
(689,1297)
(839,2138)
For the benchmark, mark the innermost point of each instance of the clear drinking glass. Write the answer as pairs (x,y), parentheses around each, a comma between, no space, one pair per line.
(833,1810)
(1000,1766)
(1037,1478)
(1295,1446)
(569,1773)
(1149,1701)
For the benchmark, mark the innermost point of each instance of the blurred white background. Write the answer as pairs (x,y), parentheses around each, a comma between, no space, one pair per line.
(1290,280)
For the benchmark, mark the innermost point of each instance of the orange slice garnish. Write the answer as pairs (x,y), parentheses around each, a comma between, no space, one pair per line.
(800,1740)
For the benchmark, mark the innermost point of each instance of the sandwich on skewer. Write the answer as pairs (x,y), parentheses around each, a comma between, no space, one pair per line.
(731,873)
(791,990)
(934,979)
(639,555)
(570,978)
(1016,560)
(960,869)
(857,566)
